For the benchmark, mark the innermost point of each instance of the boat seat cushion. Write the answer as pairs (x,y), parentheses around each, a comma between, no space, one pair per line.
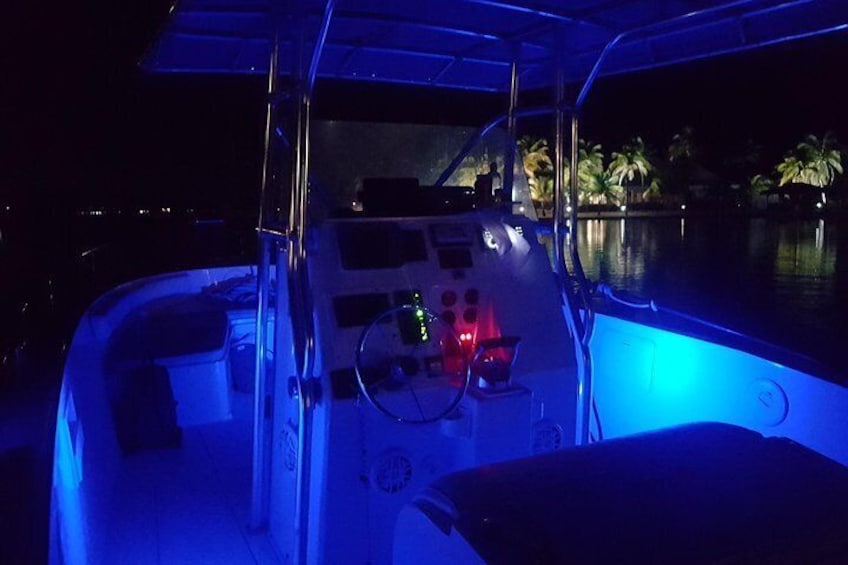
(692,494)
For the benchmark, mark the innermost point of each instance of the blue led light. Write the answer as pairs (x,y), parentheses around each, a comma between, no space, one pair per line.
(463,47)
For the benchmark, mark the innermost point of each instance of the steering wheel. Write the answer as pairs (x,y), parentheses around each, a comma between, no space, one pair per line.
(410,365)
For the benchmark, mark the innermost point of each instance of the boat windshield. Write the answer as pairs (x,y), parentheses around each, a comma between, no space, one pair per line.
(381,169)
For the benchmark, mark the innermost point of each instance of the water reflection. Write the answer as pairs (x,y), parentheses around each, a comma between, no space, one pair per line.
(779,280)
(802,251)
(795,249)
(608,255)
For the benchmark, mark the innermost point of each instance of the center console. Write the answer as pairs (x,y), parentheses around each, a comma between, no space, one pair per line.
(409,388)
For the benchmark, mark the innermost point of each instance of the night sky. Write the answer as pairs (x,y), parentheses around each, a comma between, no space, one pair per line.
(82,125)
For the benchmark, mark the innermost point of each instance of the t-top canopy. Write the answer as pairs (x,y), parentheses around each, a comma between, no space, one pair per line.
(470,44)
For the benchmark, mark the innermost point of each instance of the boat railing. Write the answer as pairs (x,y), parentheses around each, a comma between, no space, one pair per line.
(697,327)
(607,292)
(288,248)
(576,287)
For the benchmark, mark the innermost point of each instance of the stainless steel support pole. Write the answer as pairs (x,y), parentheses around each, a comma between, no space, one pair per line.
(584,392)
(576,263)
(573,236)
(559,176)
(303,329)
(509,147)
(260,476)
(575,322)
(574,178)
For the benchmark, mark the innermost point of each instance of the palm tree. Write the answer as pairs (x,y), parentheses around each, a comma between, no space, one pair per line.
(589,164)
(653,189)
(590,159)
(601,187)
(682,145)
(542,190)
(596,184)
(631,162)
(790,169)
(761,183)
(534,154)
(538,168)
(813,161)
(681,160)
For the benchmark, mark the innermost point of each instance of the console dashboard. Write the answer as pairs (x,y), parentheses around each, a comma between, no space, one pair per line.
(402,305)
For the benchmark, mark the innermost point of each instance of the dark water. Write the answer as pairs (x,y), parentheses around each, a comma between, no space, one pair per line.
(52,267)
(782,280)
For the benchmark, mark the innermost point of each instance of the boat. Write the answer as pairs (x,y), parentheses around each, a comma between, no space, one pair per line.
(413,371)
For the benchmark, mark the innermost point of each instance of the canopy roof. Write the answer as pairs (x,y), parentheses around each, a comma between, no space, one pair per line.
(470,44)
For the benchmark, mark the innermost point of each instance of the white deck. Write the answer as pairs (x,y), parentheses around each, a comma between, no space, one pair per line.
(190,504)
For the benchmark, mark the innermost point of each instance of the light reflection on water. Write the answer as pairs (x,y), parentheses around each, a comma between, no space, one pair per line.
(778,280)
